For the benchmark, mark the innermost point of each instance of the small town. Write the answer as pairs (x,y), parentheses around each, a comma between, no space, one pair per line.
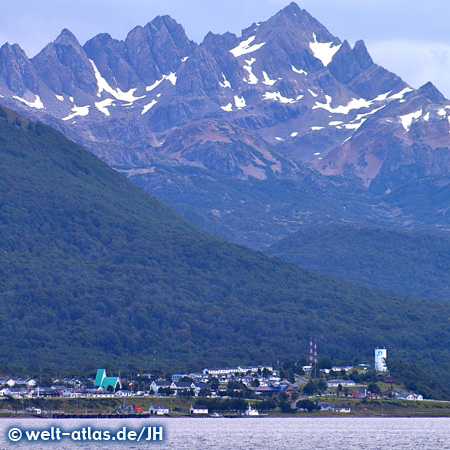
(228,391)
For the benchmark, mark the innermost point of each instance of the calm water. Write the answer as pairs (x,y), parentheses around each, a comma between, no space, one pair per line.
(258,433)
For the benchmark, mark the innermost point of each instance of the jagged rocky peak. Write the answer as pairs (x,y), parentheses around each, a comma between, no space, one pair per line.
(165,24)
(65,67)
(66,37)
(110,58)
(431,92)
(220,43)
(348,63)
(362,55)
(157,48)
(294,22)
(290,38)
(16,70)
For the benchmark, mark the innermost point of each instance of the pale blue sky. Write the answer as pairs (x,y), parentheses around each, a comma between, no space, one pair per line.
(408,37)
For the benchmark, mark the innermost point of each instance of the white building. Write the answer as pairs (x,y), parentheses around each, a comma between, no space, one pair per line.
(198,409)
(343,383)
(159,410)
(380,359)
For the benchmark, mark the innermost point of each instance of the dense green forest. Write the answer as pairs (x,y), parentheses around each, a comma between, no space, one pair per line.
(95,272)
(409,262)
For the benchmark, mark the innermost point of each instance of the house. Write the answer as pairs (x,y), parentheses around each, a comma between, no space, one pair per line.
(198,409)
(341,368)
(72,381)
(5,391)
(290,390)
(324,406)
(405,396)
(18,392)
(401,395)
(69,393)
(359,393)
(159,410)
(342,409)
(343,383)
(58,388)
(181,386)
(199,386)
(222,374)
(102,381)
(155,386)
(388,379)
(262,390)
(47,392)
(124,393)
(178,376)
(199,377)
(280,386)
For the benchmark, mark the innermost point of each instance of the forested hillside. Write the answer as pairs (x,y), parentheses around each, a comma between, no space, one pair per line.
(96,272)
(409,262)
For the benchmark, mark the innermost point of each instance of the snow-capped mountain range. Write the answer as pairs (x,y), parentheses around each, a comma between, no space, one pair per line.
(286,101)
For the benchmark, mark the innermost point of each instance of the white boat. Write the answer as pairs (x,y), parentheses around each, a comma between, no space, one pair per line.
(251,412)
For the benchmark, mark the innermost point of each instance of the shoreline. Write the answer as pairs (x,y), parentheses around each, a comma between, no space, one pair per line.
(103,409)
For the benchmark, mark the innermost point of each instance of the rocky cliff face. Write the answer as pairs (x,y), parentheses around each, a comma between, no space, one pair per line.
(284,94)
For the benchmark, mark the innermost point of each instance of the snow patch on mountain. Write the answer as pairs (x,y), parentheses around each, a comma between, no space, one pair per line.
(252,79)
(116,93)
(280,98)
(78,111)
(228,108)
(239,102)
(225,83)
(244,47)
(355,103)
(148,106)
(353,125)
(382,97)
(37,103)
(401,94)
(103,106)
(59,97)
(407,119)
(442,112)
(172,77)
(324,51)
(267,81)
(300,71)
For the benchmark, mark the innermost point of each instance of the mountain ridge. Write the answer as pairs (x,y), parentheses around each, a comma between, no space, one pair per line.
(319,104)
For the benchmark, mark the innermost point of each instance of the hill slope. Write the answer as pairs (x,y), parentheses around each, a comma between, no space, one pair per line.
(94,271)
(408,262)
